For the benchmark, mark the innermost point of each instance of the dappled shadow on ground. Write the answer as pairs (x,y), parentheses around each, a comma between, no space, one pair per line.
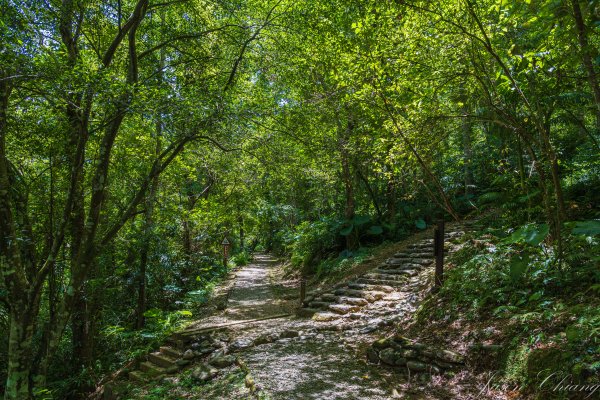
(314,369)
(252,295)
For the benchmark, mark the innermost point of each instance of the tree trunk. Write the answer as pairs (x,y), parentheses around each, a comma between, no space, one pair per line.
(20,350)
(467,152)
(83,347)
(347,178)
(241,228)
(390,194)
(586,57)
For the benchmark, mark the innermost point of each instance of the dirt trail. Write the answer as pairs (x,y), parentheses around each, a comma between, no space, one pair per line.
(313,362)
(253,296)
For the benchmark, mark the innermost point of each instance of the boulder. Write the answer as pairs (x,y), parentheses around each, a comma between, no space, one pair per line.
(223,361)
(449,356)
(182,363)
(387,356)
(241,344)
(204,373)
(417,366)
(372,356)
(343,308)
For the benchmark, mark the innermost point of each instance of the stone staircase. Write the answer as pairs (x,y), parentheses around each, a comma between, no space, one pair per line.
(381,287)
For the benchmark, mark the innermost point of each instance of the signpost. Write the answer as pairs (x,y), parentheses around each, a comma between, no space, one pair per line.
(438,252)
(226,246)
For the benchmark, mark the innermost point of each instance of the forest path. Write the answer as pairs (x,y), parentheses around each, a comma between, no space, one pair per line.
(253,294)
(243,352)
(295,358)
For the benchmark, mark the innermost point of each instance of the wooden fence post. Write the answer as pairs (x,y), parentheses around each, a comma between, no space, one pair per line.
(438,250)
(302,290)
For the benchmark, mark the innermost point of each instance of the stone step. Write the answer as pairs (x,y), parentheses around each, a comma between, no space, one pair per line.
(176,342)
(404,266)
(170,352)
(397,271)
(325,316)
(151,369)
(319,304)
(395,261)
(343,308)
(365,286)
(330,297)
(306,312)
(414,254)
(422,261)
(161,360)
(137,376)
(370,296)
(428,245)
(391,277)
(355,301)
(386,282)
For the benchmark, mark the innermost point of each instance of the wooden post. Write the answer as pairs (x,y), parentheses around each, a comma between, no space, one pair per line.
(438,250)
(302,290)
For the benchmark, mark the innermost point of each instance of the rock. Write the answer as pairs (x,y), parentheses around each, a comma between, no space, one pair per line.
(172,370)
(407,353)
(381,344)
(204,351)
(449,356)
(416,346)
(444,365)
(182,363)
(324,316)
(204,373)
(289,333)
(343,308)
(399,361)
(354,316)
(241,344)
(372,356)
(401,340)
(417,366)
(368,329)
(387,356)
(223,361)
(188,354)
(250,383)
(355,301)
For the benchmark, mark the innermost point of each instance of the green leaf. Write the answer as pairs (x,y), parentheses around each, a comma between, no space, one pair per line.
(532,234)
(536,296)
(152,313)
(347,230)
(360,220)
(588,228)
(420,223)
(185,313)
(573,333)
(375,230)
(518,266)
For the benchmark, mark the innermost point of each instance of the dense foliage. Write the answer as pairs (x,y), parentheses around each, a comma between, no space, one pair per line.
(136,134)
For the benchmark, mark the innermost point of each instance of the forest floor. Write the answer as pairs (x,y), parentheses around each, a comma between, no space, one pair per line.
(291,357)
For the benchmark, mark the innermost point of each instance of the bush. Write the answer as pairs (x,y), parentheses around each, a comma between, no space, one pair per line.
(313,241)
(241,258)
